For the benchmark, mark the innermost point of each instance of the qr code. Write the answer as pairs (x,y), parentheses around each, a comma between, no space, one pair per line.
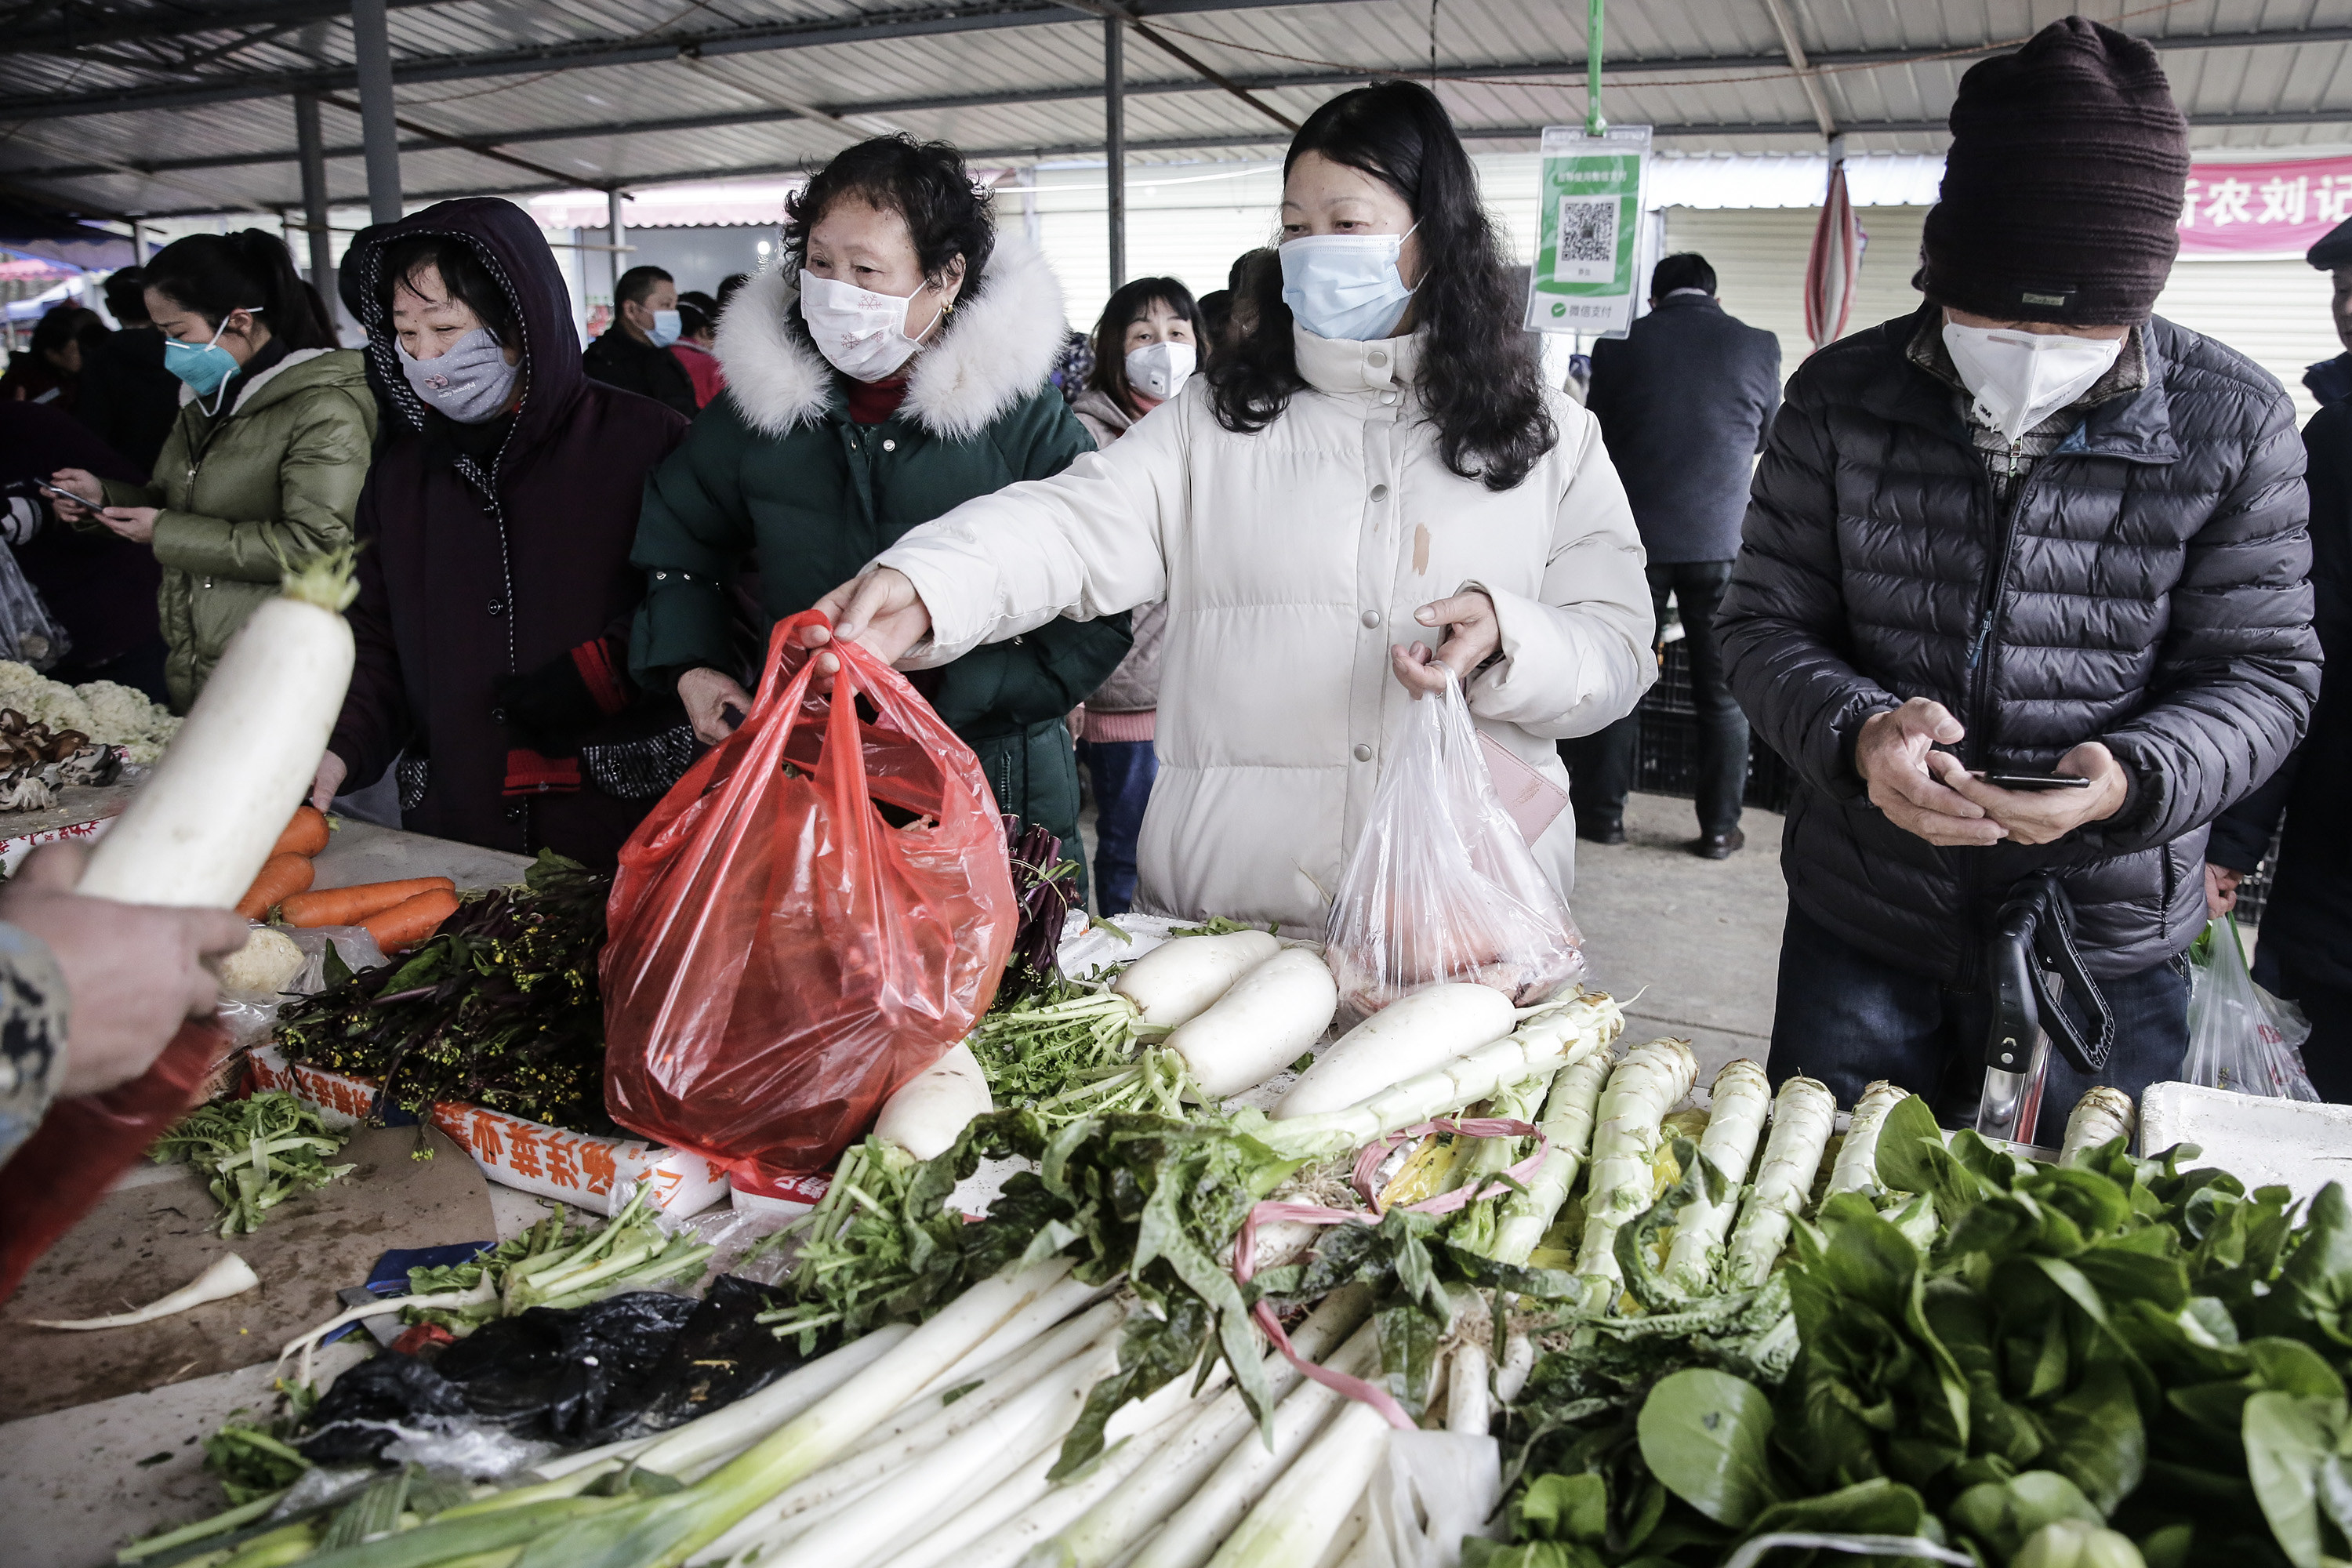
(1587,248)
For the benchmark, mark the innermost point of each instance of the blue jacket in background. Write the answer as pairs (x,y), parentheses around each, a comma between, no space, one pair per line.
(1685,400)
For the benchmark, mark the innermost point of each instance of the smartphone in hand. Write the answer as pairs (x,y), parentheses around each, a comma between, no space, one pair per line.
(2030,782)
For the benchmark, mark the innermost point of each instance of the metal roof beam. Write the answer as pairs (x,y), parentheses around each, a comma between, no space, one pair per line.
(976,15)
(933,21)
(66,38)
(1238,139)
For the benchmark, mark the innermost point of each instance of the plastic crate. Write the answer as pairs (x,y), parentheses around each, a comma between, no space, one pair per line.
(1666,757)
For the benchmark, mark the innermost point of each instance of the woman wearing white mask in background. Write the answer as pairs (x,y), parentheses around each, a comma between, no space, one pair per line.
(1147,345)
(891,367)
(1375,481)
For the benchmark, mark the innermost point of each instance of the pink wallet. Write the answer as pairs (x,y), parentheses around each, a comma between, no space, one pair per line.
(1533,801)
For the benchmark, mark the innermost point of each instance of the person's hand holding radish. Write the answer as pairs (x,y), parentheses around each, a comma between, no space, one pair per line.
(1472,637)
(133,972)
(708,694)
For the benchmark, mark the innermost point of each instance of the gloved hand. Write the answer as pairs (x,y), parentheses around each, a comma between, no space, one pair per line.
(553,705)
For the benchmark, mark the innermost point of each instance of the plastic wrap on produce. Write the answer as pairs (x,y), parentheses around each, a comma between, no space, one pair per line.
(1436,1489)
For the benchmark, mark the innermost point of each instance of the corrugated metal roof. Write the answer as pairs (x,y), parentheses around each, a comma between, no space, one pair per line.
(1710,73)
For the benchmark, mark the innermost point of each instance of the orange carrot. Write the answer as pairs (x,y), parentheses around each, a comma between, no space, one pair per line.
(351,906)
(406,924)
(306,834)
(282,877)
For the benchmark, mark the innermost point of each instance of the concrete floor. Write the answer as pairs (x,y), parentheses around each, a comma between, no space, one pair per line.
(1691,946)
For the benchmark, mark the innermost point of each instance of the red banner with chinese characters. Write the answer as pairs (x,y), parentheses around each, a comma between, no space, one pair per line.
(2263,209)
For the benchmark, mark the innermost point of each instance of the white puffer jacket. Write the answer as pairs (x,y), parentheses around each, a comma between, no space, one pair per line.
(1290,559)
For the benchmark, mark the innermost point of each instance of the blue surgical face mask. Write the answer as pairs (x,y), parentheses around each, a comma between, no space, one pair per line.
(204,366)
(666,328)
(1345,286)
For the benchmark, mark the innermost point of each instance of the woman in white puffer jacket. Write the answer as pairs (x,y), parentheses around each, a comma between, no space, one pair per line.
(1377,479)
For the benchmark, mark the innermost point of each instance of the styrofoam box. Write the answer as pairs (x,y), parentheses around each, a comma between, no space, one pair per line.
(549,1162)
(2261,1141)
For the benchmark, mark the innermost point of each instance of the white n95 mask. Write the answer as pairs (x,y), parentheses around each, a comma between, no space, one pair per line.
(1159,371)
(863,333)
(2019,378)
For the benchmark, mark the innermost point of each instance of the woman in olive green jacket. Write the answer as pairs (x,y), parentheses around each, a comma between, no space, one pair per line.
(263,468)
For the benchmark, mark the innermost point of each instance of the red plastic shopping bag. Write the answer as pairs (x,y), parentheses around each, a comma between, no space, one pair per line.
(86,1143)
(782,956)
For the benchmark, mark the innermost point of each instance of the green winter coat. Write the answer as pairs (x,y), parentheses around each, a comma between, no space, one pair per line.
(775,477)
(272,482)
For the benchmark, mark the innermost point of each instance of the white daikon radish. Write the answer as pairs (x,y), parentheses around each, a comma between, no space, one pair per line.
(1419,1032)
(195,834)
(227,1277)
(1260,1026)
(932,1109)
(1176,981)
(1623,1181)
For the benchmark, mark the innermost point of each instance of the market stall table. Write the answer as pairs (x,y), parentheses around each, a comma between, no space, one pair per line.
(100,1434)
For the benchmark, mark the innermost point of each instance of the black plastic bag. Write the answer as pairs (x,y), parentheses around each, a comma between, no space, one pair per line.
(567,1375)
(354,1421)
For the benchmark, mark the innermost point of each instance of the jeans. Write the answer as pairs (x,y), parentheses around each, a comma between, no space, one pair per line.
(1845,1018)
(1122,773)
(1601,766)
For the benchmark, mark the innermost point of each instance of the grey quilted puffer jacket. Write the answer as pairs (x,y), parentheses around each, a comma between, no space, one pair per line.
(2146,588)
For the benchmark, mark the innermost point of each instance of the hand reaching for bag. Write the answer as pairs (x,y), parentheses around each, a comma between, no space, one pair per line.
(1472,635)
(878,608)
(709,695)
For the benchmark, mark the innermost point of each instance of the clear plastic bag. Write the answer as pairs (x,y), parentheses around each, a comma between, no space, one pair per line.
(2241,1037)
(1442,885)
(29,633)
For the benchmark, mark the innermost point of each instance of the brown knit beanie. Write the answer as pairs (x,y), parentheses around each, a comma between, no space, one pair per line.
(2061,193)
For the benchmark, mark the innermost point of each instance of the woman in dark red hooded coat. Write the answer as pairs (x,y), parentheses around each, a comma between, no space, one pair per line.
(494,584)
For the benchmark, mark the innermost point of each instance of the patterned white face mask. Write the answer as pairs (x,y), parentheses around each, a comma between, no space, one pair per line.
(2019,378)
(469,382)
(863,333)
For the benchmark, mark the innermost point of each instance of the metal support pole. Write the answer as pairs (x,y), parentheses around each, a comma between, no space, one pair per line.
(311,148)
(616,234)
(138,243)
(1115,142)
(1593,124)
(378,131)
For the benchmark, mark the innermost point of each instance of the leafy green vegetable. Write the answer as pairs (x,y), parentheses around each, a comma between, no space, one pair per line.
(1709,1436)
(499,1008)
(557,1265)
(258,1152)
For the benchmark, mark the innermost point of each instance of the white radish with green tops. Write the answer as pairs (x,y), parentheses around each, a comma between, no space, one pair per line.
(1856,1167)
(1652,1080)
(195,834)
(1803,1112)
(1273,1014)
(1180,980)
(1413,1035)
(1737,1105)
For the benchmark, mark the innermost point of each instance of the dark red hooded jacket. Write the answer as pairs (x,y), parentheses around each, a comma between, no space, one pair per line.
(471,571)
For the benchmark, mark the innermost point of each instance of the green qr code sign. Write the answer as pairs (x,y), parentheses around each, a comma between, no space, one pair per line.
(1584,279)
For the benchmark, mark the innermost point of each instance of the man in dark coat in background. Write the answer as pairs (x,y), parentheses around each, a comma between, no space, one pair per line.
(2306,951)
(2031,530)
(495,584)
(2330,381)
(633,353)
(127,399)
(1685,402)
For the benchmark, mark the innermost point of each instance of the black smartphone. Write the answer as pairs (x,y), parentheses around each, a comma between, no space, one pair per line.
(57,490)
(2030,781)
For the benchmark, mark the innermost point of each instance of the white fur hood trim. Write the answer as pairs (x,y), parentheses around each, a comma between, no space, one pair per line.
(991,352)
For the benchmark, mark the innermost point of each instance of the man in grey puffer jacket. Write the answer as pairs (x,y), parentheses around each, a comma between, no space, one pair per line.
(2031,530)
